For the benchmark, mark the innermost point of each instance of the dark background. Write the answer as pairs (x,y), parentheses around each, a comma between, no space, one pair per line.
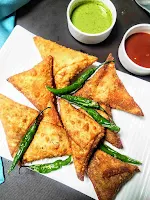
(47,18)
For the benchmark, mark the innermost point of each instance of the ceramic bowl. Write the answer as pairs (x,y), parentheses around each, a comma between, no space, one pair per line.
(123,57)
(87,38)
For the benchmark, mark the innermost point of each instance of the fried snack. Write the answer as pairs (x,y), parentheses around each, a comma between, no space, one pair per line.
(82,156)
(74,121)
(67,62)
(32,84)
(49,141)
(106,87)
(51,115)
(84,134)
(16,119)
(108,174)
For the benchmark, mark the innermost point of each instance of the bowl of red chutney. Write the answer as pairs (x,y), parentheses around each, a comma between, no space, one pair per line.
(134,49)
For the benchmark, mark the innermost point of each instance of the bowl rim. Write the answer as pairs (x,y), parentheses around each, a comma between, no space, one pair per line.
(133,64)
(92,34)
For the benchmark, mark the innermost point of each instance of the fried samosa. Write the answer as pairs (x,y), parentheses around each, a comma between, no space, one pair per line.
(108,174)
(49,141)
(81,156)
(16,119)
(84,134)
(67,62)
(106,87)
(32,84)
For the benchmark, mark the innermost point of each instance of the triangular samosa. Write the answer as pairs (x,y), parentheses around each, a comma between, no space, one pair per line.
(106,87)
(16,119)
(108,174)
(67,62)
(32,84)
(49,141)
(84,134)
(81,156)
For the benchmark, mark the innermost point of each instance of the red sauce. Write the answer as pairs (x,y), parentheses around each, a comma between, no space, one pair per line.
(138,49)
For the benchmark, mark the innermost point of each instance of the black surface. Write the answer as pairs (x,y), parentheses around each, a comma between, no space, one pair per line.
(47,18)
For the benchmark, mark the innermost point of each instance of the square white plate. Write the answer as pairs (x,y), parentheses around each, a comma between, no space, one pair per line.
(19,54)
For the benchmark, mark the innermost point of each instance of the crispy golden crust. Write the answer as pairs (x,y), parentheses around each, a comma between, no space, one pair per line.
(74,121)
(51,115)
(32,83)
(16,119)
(106,87)
(108,174)
(65,75)
(82,156)
(67,62)
(79,158)
(84,135)
(49,141)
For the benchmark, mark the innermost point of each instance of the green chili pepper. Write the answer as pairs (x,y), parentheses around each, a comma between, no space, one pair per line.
(47,168)
(100,119)
(78,83)
(117,155)
(26,140)
(82,101)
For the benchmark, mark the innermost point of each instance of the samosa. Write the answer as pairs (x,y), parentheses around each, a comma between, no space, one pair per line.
(49,141)
(106,87)
(108,174)
(84,134)
(16,119)
(67,62)
(32,84)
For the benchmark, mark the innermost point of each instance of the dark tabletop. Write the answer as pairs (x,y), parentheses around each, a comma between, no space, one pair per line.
(47,18)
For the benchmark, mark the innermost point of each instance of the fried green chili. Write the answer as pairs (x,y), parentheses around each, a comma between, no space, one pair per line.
(117,155)
(100,119)
(49,167)
(82,101)
(78,83)
(26,140)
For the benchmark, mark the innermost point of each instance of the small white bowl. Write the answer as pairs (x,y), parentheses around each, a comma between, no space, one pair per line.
(123,57)
(87,38)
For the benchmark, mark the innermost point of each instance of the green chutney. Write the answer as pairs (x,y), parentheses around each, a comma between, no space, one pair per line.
(92,17)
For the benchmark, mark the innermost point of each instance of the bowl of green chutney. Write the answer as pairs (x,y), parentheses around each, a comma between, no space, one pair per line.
(91,21)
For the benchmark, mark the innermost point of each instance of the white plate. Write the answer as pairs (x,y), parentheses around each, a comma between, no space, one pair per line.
(19,53)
